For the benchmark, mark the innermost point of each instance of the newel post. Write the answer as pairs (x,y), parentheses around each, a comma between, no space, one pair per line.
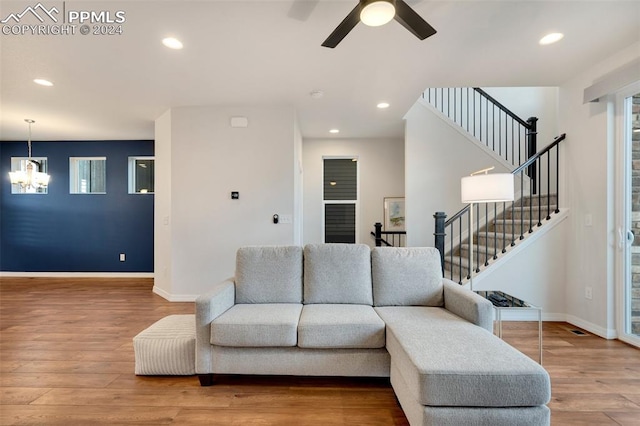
(378,227)
(440,218)
(532,148)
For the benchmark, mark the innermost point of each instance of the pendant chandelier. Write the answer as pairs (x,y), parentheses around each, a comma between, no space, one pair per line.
(32,178)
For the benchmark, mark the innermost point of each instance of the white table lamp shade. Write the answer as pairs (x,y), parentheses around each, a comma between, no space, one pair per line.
(487,188)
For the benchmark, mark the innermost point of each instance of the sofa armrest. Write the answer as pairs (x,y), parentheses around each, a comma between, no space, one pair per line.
(468,305)
(209,306)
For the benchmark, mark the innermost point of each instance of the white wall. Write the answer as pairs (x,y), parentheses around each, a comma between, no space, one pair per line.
(207,159)
(437,155)
(534,270)
(381,168)
(297,184)
(588,160)
(162,206)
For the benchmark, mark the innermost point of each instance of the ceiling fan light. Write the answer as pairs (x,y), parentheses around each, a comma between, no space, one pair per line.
(377,13)
(172,43)
(551,38)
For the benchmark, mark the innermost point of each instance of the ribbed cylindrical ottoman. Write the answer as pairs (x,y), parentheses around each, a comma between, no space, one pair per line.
(167,347)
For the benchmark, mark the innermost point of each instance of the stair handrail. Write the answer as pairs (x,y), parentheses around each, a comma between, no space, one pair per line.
(397,242)
(539,154)
(459,104)
(520,168)
(440,217)
(503,108)
(380,241)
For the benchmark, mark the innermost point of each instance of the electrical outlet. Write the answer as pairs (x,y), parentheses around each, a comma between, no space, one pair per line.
(122,257)
(588,293)
(588,219)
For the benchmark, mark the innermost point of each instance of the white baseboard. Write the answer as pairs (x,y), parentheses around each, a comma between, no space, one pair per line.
(592,328)
(530,315)
(77,274)
(174,297)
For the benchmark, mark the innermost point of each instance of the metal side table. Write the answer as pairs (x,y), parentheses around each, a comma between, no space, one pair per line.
(503,301)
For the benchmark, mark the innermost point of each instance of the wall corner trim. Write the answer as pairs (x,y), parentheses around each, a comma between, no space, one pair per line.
(174,297)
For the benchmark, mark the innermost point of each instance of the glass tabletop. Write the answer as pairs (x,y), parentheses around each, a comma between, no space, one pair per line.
(504,300)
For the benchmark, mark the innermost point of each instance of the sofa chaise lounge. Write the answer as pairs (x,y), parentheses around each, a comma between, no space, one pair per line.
(347,310)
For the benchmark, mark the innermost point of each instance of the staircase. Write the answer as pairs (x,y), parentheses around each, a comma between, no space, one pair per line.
(497,226)
(510,226)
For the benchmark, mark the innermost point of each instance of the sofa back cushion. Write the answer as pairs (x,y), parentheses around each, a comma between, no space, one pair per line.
(407,276)
(337,273)
(269,274)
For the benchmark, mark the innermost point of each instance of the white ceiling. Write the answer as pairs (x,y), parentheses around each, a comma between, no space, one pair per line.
(269,53)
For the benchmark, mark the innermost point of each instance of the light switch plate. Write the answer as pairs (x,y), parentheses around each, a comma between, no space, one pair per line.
(286,218)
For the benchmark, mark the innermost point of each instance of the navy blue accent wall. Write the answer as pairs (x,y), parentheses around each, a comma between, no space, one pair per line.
(63,232)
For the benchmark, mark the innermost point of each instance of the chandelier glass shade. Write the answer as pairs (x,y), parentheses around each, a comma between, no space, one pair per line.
(30,177)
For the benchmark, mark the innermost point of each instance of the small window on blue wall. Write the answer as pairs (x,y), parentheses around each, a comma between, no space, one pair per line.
(141,175)
(88,175)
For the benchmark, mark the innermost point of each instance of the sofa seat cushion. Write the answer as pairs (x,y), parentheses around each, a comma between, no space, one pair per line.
(337,273)
(447,361)
(257,325)
(405,276)
(340,326)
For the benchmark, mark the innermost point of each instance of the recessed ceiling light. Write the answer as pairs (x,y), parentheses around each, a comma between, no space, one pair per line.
(383,105)
(42,82)
(334,131)
(172,43)
(551,38)
(316,94)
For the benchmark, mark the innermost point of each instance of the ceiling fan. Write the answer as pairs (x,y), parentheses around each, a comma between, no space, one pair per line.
(378,12)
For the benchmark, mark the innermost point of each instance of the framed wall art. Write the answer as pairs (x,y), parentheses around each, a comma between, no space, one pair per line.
(394,214)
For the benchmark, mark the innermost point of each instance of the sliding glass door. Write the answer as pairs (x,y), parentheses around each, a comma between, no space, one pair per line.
(628,217)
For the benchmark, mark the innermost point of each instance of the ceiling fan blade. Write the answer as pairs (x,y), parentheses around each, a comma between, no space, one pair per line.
(344,28)
(412,21)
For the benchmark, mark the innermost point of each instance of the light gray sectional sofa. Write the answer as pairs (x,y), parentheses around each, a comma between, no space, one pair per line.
(347,310)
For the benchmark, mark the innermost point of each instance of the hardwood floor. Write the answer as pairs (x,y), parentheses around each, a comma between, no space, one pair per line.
(66,357)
